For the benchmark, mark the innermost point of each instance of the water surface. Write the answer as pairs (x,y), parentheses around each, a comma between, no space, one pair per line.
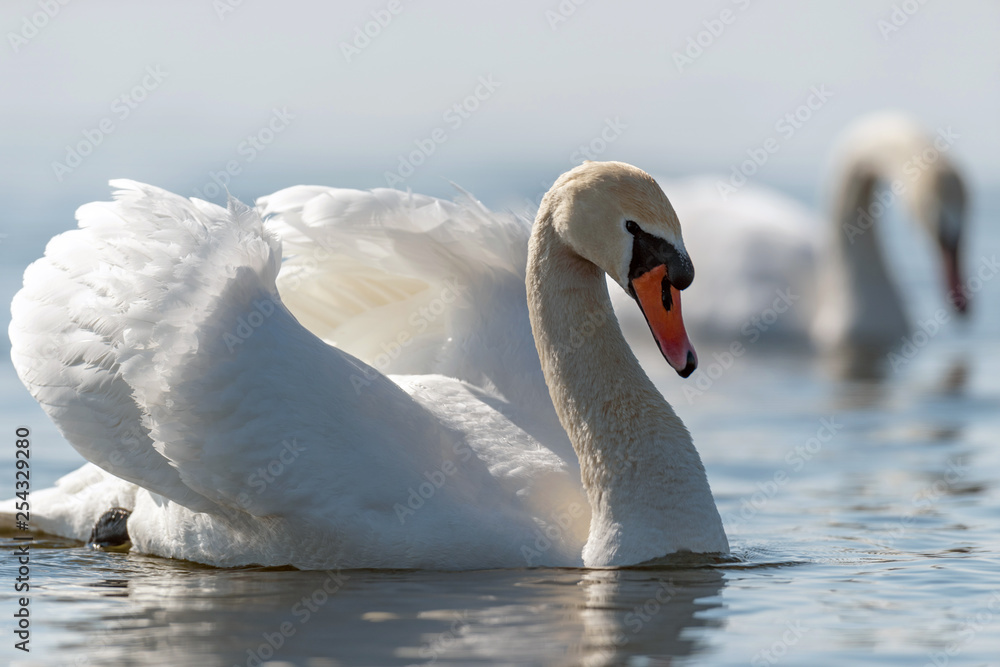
(863,514)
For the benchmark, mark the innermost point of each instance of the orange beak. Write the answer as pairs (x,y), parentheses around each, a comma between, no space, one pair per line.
(661,305)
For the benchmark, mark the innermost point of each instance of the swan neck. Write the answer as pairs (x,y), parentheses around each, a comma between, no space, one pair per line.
(642,475)
(863,305)
(588,365)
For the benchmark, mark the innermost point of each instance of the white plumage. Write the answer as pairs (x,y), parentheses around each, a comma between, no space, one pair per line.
(155,337)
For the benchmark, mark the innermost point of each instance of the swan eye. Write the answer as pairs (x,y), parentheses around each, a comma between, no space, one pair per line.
(631,227)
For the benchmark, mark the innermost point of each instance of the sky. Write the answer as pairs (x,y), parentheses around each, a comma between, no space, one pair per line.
(500,98)
(195,95)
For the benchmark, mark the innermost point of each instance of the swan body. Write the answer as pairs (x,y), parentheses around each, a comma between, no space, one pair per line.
(861,304)
(407,389)
(772,270)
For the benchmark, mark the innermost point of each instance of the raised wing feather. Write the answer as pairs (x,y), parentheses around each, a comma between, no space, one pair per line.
(174,364)
(414,284)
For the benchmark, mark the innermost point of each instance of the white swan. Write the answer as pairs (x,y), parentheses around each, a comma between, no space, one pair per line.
(156,339)
(772,270)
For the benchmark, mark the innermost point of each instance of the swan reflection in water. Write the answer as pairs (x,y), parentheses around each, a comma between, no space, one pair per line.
(650,613)
(188,614)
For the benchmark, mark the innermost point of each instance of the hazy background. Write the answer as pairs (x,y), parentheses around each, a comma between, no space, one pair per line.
(227,70)
(228,64)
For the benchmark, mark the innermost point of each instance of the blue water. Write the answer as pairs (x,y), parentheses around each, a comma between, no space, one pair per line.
(864,514)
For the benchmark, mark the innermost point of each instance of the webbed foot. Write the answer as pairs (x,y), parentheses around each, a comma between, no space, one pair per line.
(111,531)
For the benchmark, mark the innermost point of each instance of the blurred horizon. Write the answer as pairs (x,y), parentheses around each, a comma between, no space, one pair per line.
(498,100)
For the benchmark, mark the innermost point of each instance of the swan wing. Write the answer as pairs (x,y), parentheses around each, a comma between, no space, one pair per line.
(413,284)
(175,365)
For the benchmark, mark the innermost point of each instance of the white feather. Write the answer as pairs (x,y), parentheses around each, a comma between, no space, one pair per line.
(177,367)
(221,415)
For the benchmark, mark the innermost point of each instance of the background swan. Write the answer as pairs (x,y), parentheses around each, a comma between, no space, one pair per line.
(156,339)
(761,253)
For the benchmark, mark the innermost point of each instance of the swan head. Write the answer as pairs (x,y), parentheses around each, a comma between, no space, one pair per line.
(616,216)
(894,148)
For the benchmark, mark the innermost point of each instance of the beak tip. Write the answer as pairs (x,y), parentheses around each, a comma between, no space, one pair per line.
(959,301)
(691,364)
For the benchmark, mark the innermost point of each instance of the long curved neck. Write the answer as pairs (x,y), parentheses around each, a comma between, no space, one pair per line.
(644,479)
(861,306)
